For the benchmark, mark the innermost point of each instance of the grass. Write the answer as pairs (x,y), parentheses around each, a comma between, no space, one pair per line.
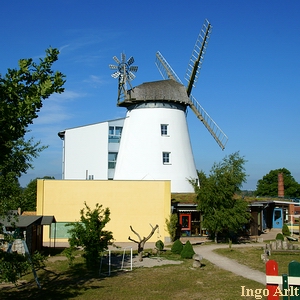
(251,257)
(59,281)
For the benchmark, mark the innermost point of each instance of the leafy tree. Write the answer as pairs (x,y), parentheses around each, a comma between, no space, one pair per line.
(89,233)
(10,193)
(215,196)
(172,226)
(268,185)
(13,265)
(28,198)
(22,92)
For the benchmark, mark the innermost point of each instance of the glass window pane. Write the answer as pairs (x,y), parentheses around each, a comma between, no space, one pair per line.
(166,157)
(164,129)
(118,131)
(114,134)
(111,130)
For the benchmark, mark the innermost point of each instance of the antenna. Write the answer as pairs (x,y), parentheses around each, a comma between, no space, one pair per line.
(124,72)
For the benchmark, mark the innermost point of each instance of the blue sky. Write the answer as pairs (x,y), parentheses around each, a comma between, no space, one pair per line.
(249,82)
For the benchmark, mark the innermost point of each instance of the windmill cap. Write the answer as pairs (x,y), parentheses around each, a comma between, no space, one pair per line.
(162,90)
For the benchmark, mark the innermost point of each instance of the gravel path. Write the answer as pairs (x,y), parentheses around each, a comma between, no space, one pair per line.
(206,251)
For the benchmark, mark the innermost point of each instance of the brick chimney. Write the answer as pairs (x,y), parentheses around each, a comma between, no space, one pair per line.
(280,186)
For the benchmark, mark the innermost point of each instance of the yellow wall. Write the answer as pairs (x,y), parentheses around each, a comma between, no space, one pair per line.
(135,203)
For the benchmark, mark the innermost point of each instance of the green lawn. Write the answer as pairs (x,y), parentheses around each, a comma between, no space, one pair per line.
(252,257)
(59,281)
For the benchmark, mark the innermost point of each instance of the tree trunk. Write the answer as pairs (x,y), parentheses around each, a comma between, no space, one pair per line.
(141,242)
(216,237)
(141,250)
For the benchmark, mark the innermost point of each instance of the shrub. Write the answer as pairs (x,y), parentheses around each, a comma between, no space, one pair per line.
(280,237)
(89,233)
(159,245)
(172,226)
(38,260)
(285,230)
(177,247)
(187,251)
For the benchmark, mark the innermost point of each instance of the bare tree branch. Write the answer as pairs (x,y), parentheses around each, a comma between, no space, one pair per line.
(142,242)
(135,233)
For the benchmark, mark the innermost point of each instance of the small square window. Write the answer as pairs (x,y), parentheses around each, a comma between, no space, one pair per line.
(166,158)
(164,129)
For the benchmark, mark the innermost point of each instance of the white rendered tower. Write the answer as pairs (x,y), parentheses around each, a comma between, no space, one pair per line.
(155,143)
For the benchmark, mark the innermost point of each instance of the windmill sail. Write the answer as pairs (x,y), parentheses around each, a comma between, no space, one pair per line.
(217,133)
(168,73)
(165,69)
(196,60)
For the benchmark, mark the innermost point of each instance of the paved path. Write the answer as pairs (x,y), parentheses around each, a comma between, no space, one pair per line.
(206,251)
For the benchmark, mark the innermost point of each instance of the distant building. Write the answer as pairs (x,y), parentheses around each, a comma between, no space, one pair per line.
(151,143)
(90,151)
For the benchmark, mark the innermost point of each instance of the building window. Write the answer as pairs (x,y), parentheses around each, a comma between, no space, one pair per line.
(166,158)
(164,129)
(114,134)
(112,160)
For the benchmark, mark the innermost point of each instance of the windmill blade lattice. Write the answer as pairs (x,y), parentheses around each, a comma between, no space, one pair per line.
(193,70)
(196,60)
(125,73)
(165,69)
(213,128)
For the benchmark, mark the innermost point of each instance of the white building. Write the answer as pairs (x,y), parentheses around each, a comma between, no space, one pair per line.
(90,152)
(151,143)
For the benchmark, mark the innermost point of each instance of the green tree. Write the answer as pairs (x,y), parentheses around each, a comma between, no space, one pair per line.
(215,196)
(268,185)
(28,198)
(89,233)
(10,193)
(172,224)
(22,92)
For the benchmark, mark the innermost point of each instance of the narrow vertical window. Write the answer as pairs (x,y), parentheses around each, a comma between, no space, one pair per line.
(112,160)
(166,158)
(164,129)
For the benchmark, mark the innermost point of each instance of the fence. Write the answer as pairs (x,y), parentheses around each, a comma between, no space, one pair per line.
(284,286)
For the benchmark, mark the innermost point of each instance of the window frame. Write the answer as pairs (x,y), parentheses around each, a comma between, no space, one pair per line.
(164,129)
(113,137)
(112,162)
(166,158)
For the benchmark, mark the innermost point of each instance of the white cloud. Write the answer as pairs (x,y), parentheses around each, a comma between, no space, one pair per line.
(54,110)
(95,81)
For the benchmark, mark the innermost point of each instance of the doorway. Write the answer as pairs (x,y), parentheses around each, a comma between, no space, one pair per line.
(277,217)
(185,223)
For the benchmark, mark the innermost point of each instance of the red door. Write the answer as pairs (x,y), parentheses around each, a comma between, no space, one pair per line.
(185,221)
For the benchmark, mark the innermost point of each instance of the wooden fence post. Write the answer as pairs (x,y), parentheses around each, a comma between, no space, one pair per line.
(294,271)
(285,287)
(272,269)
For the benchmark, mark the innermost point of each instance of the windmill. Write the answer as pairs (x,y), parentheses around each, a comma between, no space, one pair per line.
(191,77)
(124,72)
(155,142)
